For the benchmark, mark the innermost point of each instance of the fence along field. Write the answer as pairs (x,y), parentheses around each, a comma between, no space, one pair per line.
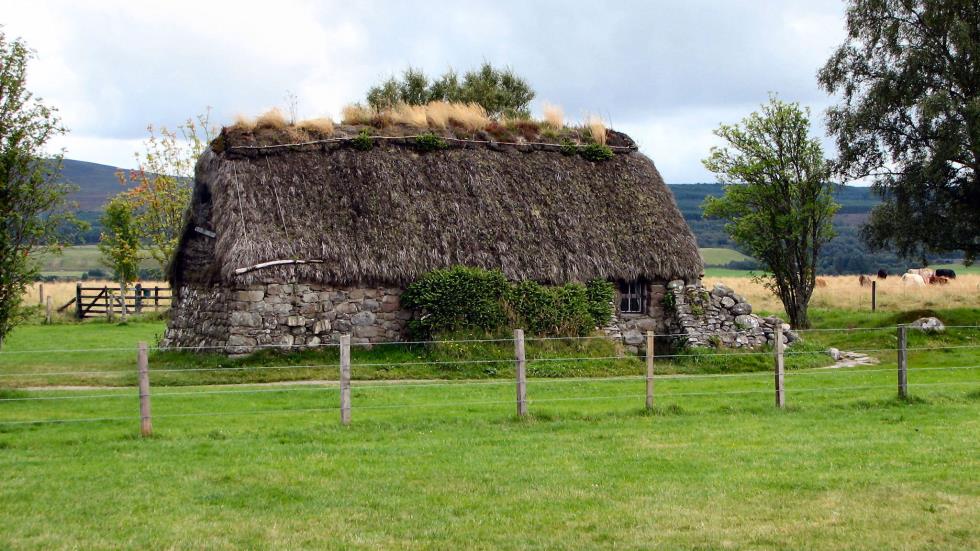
(635,389)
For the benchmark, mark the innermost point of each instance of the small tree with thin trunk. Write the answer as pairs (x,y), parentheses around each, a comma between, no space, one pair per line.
(33,214)
(779,205)
(120,244)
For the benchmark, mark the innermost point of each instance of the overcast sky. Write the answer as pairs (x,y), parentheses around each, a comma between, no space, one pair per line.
(667,73)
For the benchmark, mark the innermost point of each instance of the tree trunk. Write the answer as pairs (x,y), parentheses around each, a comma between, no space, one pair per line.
(798,316)
(122,302)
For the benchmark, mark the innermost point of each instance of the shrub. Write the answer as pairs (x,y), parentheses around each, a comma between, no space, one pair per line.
(596,152)
(430,142)
(466,299)
(363,141)
(456,298)
(568,147)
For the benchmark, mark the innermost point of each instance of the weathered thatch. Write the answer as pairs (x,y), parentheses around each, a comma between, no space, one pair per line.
(393,213)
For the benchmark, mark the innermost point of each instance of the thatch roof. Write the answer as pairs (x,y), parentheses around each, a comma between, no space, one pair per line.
(393,213)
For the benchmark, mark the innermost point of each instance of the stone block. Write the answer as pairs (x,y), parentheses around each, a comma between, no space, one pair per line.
(252,295)
(346,308)
(727,302)
(742,308)
(363,318)
(245,319)
(370,305)
(321,326)
(295,321)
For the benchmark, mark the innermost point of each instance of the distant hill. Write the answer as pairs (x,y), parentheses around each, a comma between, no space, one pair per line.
(96,183)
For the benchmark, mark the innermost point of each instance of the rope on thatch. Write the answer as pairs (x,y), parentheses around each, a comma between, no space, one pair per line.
(556,146)
(260,265)
(241,207)
(275,191)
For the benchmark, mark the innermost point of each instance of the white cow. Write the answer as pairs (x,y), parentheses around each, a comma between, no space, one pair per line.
(926,273)
(913,280)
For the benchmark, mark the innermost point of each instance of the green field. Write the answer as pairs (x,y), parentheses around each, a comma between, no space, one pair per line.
(75,261)
(445,463)
(721,257)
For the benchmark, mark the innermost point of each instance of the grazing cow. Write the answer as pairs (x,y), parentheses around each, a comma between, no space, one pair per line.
(943,272)
(913,280)
(882,274)
(864,280)
(820,282)
(926,273)
(938,280)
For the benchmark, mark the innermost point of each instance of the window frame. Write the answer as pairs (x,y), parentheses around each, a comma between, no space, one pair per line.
(632,295)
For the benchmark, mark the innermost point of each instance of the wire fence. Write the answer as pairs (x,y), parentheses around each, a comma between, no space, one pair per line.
(543,390)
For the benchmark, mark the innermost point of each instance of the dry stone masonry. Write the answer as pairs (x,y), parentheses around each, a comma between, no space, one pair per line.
(239,320)
(719,317)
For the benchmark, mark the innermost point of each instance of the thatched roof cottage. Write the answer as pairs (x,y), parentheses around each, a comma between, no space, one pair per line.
(296,244)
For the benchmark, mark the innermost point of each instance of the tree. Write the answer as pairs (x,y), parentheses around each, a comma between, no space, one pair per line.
(164,183)
(908,76)
(500,91)
(780,207)
(32,198)
(120,244)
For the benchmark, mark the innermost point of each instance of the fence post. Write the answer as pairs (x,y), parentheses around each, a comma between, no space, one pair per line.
(903,362)
(156,298)
(40,293)
(78,300)
(345,379)
(108,304)
(138,299)
(143,366)
(521,372)
(47,312)
(780,368)
(874,295)
(650,352)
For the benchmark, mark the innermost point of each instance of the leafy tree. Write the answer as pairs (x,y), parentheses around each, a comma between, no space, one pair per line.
(781,205)
(120,244)
(908,75)
(164,183)
(32,198)
(499,91)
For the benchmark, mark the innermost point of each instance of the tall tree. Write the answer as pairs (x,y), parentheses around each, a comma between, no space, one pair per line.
(780,205)
(164,183)
(500,91)
(120,244)
(32,198)
(908,76)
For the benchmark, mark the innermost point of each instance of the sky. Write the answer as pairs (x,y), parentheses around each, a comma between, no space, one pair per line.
(667,73)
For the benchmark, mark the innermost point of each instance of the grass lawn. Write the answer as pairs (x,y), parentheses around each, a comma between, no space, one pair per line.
(714,256)
(446,464)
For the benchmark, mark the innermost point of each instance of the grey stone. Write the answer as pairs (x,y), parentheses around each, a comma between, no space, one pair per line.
(346,308)
(321,326)
(310,297)
(254,295)
(727,302)
(742,308)
(370,305)
(295,321)
(246,319)
(834,353)
(676,284)
(363,318)
(721,290)
(746,321)
(633,337)
(928,324)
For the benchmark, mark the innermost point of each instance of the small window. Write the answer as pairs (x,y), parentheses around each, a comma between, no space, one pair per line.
(632,297)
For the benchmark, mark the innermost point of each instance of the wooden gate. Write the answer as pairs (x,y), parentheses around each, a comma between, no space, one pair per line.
(105,301)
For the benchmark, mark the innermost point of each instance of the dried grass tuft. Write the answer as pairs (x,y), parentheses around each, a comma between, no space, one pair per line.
(244,123)
(273,118)
(597,129)
(471,116)
(321,125)
(412,115)
(554,116)
(356,113)
(438,114)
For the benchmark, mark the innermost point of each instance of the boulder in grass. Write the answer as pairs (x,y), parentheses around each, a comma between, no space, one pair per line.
(929,324)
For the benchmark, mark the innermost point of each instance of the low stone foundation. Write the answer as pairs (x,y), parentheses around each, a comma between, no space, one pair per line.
(240,320)
(720,317)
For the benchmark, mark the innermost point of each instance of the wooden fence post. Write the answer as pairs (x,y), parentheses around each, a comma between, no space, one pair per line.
(650,352)
(47,313)
(156,298)
(520,372)
(138,299)
(874,295)
(143,366)
(108,304)
(78,300)
(345,379)
(780,367)
(903,362)
(40,293)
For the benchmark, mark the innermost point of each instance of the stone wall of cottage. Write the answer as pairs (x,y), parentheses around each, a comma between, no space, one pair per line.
(719,317)
(243,319)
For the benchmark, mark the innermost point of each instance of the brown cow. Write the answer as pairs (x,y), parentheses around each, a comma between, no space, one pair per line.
(938,280)
(864,280)
(820,282)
